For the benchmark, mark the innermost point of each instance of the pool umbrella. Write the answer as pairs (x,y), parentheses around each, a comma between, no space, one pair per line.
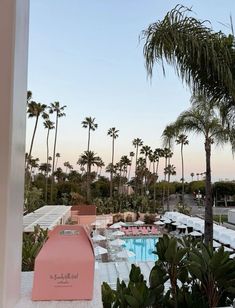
(118,233)
(216,244)
(181,226)
(159,223)
(139,222)
(121,223)
(232,256)
(195,233)
(98,237)
(96,223)
(125,254)
(117,242)
(167,221)
(225,249)
(100,250)
(175,224)
(115,226)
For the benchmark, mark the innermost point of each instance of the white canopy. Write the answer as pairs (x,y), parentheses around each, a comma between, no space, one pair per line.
(195,233)
(100,250)
(117,242)
(181,227)
(121,223)
(98,237)
(115,226)
(139,222)
(167,221)
(216,244)
(159,223)
(125,254)
(175,223)
(118,233)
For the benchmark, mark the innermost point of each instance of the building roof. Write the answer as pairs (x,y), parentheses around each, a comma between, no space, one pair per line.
(47,217)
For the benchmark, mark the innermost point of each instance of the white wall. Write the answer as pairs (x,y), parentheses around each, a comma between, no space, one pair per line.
(13,86)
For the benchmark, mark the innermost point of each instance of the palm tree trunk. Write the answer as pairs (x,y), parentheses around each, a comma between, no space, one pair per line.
(111,173)
(32,141)
(164,185)
(47,165)
(88,145)
(136,158)
(53,162)
(182,160)
(168,192)
(208,206)
(129,172)
(88,184)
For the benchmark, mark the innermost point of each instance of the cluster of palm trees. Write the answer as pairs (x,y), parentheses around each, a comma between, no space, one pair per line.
(204,60)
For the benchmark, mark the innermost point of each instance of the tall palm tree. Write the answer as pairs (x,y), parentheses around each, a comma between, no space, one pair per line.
(197,176)
(35,110)
(182,140)
(59,112)
(155,157)
(68,166)
(168,137)
(192,175)
(137,142)
(167,154)
(49,125)
(113,133)
(202,118)
(146,151)
(204,59)
(57,155)
(89,123)
(132,154)
(89,159)
(169,170)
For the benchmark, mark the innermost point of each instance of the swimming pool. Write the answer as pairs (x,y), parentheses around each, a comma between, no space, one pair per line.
(142,247)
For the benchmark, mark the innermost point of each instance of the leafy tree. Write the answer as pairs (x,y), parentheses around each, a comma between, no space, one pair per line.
(137,142)
(192,175)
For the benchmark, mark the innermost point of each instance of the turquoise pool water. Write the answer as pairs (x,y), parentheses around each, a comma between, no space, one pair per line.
(143,248)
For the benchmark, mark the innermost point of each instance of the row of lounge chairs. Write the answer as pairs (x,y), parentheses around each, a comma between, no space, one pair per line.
(133,231)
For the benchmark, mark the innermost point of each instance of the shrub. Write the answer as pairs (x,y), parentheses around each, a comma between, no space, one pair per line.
(149,219)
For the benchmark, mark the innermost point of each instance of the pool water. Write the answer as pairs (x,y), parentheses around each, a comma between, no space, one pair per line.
(143,248)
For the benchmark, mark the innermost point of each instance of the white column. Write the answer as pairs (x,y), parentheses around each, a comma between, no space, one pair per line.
(14,16)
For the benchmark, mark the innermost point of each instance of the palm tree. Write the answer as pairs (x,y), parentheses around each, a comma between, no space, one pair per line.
(137,142)
(167,154)
(202,118)
(169,170)
(67,166)
(155,157)
(146,151)
(45,168)
(90,159)
(49,125)
(197,176)
(59,111)
(90,123)
(113,133)
(132,154)
(192,175)
(35,110)
(57,158)
(168,137)
(204,59)
(182,140)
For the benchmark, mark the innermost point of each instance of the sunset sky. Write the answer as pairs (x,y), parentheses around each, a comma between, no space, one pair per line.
(86,54)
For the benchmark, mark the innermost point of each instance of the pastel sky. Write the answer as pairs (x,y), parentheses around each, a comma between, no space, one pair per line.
(86,54)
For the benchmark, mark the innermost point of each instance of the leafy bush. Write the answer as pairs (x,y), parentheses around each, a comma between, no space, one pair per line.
(207,278)
(149,219)
(32,244)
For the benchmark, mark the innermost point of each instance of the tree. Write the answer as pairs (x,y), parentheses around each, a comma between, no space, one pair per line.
(167,154)
(132,154)
(67,166)
(89,123)
(137,142)
(57,158)
(169,170)
(192,175)
(155,157)
(49,125)
(146,151)
(59,111)
(182,140)
(89,159)
(35,110)
(202,118)
(204,59)
(113,133)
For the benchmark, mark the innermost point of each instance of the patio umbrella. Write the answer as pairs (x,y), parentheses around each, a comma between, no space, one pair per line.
(167,221)
(159,223)
(98,237)
(121,223)
(100,250)
(216,244)
(115,226)
(125,254)
(195,233)
(118,233)
(139,222)
(117,242)
(96,223)
(181,226)
(175,223)
(232,256)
